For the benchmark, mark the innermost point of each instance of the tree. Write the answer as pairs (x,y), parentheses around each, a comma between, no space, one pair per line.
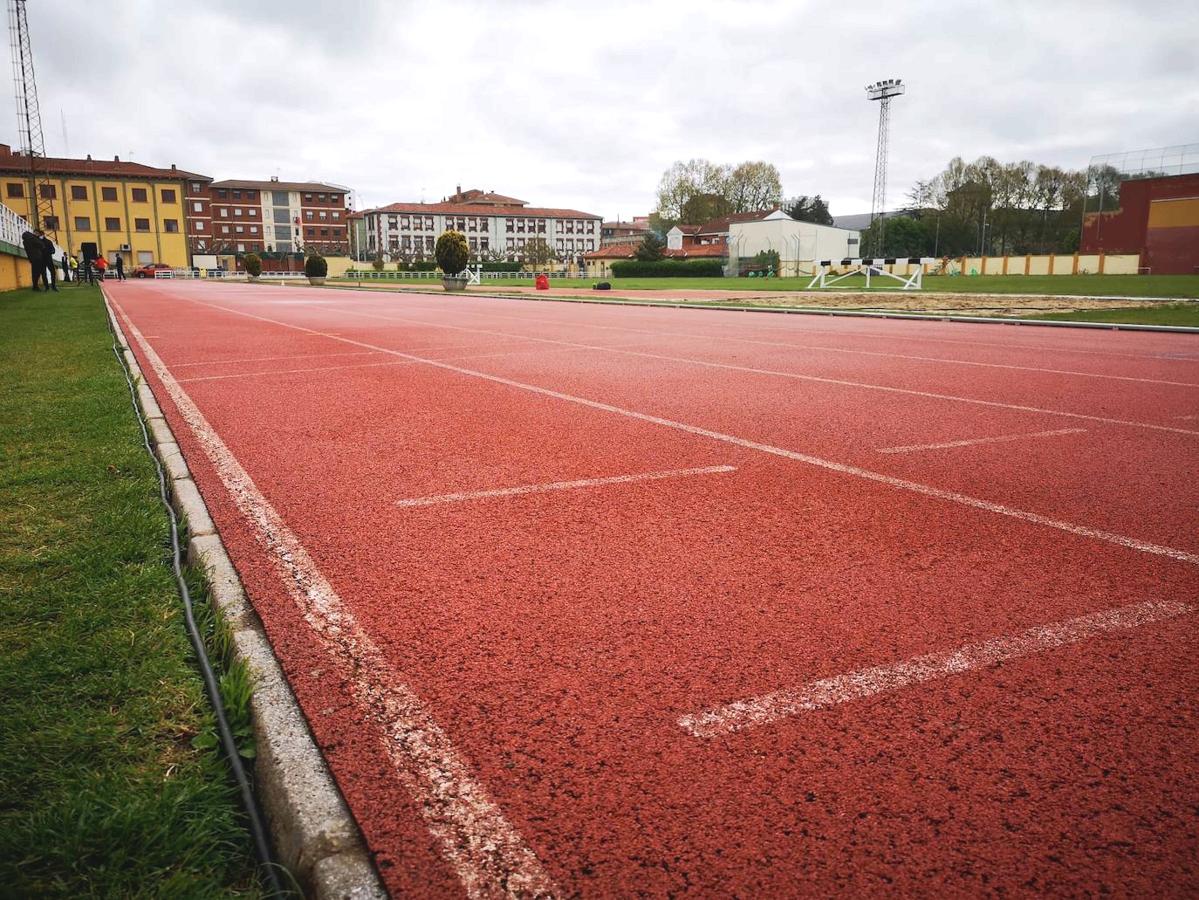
(808,209)
(753,186)
(698,191)
(538,252)
(651,249)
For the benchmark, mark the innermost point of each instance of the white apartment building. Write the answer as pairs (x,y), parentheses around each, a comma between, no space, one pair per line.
(494,226)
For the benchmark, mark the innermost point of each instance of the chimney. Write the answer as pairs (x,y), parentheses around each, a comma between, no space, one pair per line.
(89,157)
(274,178)
(116,158)
(459,190)
(173,169)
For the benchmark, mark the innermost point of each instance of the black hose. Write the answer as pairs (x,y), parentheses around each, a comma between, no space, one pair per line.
(258,832)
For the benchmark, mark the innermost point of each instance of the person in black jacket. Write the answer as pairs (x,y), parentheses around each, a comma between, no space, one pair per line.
(48,247)
(37,258)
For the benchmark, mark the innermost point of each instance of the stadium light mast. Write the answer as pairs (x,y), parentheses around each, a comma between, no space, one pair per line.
(29,117)
(884,92)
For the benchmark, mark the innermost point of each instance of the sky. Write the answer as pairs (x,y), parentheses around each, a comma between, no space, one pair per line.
(584,105)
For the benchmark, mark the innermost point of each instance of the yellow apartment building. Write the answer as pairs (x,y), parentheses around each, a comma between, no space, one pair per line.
(126,209)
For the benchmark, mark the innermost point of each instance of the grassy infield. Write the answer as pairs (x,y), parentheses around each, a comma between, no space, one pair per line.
(108,783)
(1153,286)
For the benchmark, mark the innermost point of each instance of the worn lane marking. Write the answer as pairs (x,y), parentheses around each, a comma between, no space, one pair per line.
(220,362)
(488,855)
(987,440)
(900,483)
(769,372)
(840,689)
(391,363)
(561,486)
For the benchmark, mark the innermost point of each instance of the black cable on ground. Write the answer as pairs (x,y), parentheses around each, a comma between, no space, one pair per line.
(258,831)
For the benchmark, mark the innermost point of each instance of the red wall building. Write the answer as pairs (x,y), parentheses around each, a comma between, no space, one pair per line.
(1158,218)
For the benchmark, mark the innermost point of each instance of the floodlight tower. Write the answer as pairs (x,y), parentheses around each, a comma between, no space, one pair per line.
(883,91)
(29,115)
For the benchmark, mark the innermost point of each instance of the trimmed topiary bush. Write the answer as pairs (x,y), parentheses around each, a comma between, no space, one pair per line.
(452,252)
(377,263)
(315,266)
(253,264)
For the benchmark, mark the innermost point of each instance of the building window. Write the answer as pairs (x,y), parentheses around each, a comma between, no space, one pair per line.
(199,226)
(308,215)
(108,194)
(238,229)
(324,232)
(237,211)
(280,198)
(15,189)
(48,191)
(224,229)
(308,196)
(222,193)
(308,232)
(168,195)
(241,248)
(336,215)
(144,257)
(324,215)
(252,212)
(141,224)
(237,195)
(197,206)
(112,224)
(334,198)
(510,225)
(223,212)
(197,187)
(138,195)
(320,197)
(50,222)
(78,192)
(253,229)
(170,226)
(83,223)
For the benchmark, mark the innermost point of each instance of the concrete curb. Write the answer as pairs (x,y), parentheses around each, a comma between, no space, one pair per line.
(312,830)
(817,311)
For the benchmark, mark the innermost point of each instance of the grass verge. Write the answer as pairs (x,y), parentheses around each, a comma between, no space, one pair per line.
(1160,314)
(109,785)
(1171,286)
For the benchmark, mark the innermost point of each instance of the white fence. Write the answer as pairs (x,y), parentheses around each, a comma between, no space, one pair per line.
(12,227)
(371,275)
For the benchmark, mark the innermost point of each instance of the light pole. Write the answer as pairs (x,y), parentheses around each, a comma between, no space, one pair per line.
(883,91)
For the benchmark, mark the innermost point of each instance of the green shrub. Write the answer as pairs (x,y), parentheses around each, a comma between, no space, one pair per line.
(452,252)
(253,264)
(669,268)
(377,263)
(501,266)
(315,266)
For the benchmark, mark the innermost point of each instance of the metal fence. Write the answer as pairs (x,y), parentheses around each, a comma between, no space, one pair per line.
(371,275)
(1181,159)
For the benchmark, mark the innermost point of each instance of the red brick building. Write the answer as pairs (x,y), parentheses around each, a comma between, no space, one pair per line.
(242,216)
(1158,218)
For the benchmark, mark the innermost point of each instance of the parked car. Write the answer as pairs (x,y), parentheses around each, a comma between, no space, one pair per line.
(148,271)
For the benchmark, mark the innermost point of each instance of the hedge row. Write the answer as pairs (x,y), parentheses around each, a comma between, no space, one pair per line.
(669,268)
(431,266)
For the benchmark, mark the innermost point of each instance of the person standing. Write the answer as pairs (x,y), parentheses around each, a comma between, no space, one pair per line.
(66,268)
(36,254)
(48,251)
(101,265)
(120,264)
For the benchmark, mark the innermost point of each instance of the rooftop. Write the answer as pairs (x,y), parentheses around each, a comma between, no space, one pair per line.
(276,185)
(483,209)
(16,161)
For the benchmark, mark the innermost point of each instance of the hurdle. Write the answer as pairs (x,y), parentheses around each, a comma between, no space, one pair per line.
(872,268)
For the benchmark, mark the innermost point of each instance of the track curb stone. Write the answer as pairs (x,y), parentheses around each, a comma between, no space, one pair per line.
(312,830)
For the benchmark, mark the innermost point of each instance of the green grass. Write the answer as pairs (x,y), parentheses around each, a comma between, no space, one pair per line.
(107,785)
(1160,314)
(1171,286)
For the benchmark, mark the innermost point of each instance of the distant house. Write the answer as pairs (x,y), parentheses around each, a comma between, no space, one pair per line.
(619,232)
(599,262)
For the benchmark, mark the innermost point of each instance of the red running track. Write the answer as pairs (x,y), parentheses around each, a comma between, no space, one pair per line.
(594,600)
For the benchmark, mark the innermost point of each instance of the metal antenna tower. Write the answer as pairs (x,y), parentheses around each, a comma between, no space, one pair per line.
(884,92)
(29,116)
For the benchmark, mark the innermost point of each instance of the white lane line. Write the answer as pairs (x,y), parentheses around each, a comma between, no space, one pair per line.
(845,350)
(220,362)
(1188,418)
(840,689)
(774,373)
(486,852)
(561,486)
(900,483)
(999,439)
(391,363)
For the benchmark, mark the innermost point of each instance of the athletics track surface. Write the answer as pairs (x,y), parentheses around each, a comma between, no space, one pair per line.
(593,600)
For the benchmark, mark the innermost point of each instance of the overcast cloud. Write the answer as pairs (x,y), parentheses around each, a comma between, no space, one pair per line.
(584,105)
